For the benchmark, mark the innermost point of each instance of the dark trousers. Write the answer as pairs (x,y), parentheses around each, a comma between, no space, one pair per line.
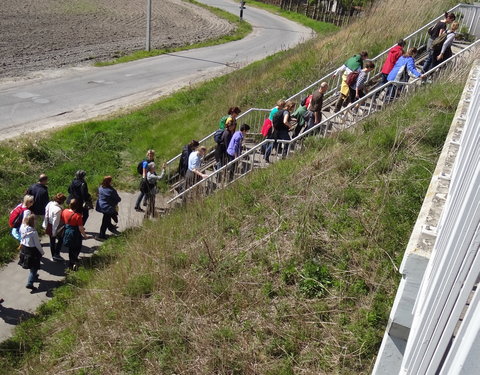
(55,246)
(73,253)
(281,148)
(106,224)
(139,199)
(85,214)
(352,94)
(342,101)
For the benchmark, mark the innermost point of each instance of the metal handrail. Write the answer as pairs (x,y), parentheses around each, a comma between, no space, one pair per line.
(320,125)
(334,87)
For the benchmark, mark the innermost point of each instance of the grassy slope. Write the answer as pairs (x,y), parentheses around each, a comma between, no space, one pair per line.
(114,146)
(242,29)
(288,272)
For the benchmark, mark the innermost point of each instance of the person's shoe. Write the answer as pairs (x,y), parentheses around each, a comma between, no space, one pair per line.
(116,232)
(1,301)
(138,209)
(75,267)
(144,203)
(101,237)
(57,258)
(31,287)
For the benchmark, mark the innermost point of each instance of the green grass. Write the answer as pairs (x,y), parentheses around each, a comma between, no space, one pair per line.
(242,29)
(318,26)
(270,276)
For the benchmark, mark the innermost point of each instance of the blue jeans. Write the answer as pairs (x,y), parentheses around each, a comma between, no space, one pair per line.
(32,276)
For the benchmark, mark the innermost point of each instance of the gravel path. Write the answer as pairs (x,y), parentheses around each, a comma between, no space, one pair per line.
(47,34)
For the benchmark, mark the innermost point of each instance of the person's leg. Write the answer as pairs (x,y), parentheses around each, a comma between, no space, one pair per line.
(32,276)
(53,248)
(58,248)
(139,200)
(104,225)
(339,104)
(85,215)
(268,151)
(427,65)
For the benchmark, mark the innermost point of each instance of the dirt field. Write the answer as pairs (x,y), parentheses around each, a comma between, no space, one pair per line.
(45,34)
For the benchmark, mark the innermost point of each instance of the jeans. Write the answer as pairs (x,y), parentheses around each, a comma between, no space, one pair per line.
(32,276)
(55,246)
(139,199)
(281,135)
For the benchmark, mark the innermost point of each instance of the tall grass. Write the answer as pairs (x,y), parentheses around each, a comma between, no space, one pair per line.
(292,270)
(114,146)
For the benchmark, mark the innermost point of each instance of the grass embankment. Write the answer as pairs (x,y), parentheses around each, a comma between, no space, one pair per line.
(114,146)
(242,29)
(292,270)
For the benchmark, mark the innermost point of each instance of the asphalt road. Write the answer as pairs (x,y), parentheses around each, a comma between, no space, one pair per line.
(79,94)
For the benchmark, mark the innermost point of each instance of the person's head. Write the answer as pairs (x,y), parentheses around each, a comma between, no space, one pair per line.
(412,52)
(281,104)
(59,198)
(80,174)
(28,200)
(369,66)
(231,126)
(364,55)
(202,150)
(234,111)
(43,179)
(449,17)
(193,144)
(323,87)
(150,154)
(29,220)
(107,181)
(401,43)
(454,26)
(290,105)
(75,205)
(151,167)
(244,128)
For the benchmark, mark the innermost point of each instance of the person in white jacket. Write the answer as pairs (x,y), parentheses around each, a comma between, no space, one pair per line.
(53,225)
(31,250)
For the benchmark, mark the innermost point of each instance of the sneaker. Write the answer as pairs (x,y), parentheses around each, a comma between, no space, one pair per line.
(145,203)
(31,287)
(138,209)
(57,258)
(101,238)
(75,267)
(116,232)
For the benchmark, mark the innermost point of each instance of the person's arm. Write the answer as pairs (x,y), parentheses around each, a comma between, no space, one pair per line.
(145,169)
(339,70)
(412,69)
(56,221)
(84,234)
(448,42)
(36,242)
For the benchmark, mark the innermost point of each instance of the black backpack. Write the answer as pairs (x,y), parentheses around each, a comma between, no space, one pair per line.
(217,137)
(277,120)
(140,167)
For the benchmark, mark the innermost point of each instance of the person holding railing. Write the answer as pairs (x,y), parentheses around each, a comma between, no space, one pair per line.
(221,156)
(282,124)
(392,57)
(186,151)
(352,64)
(401,72)
(357,89)
(267,129)
(434,32)
(446,50)
(234,149)
(194,173)
(315,106)
(152,189)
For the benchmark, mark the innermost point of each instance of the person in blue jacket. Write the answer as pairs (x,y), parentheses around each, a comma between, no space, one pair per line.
(107,202)
(401,72)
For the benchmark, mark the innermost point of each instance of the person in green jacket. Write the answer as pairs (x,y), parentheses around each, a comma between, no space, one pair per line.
(352,64)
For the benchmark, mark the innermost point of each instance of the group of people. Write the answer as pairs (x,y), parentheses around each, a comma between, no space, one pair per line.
(65,226)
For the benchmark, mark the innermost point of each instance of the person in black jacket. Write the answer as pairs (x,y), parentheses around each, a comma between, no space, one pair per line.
(40,195)
(186,151)
(78,189)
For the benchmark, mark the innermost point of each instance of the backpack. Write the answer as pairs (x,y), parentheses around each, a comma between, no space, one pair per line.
(222,122)
(16,216)
(277,120)
(217,137)
(352,78)
(140,167)
(438,42)
(430,29)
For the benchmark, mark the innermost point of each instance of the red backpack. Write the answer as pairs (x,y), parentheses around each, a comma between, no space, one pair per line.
(16,216)
(352,78)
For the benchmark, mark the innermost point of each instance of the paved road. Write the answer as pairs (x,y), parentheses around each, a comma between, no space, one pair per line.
(87,92)
(20,303)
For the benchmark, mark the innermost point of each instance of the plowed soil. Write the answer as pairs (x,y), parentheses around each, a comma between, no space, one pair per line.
(46,34)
